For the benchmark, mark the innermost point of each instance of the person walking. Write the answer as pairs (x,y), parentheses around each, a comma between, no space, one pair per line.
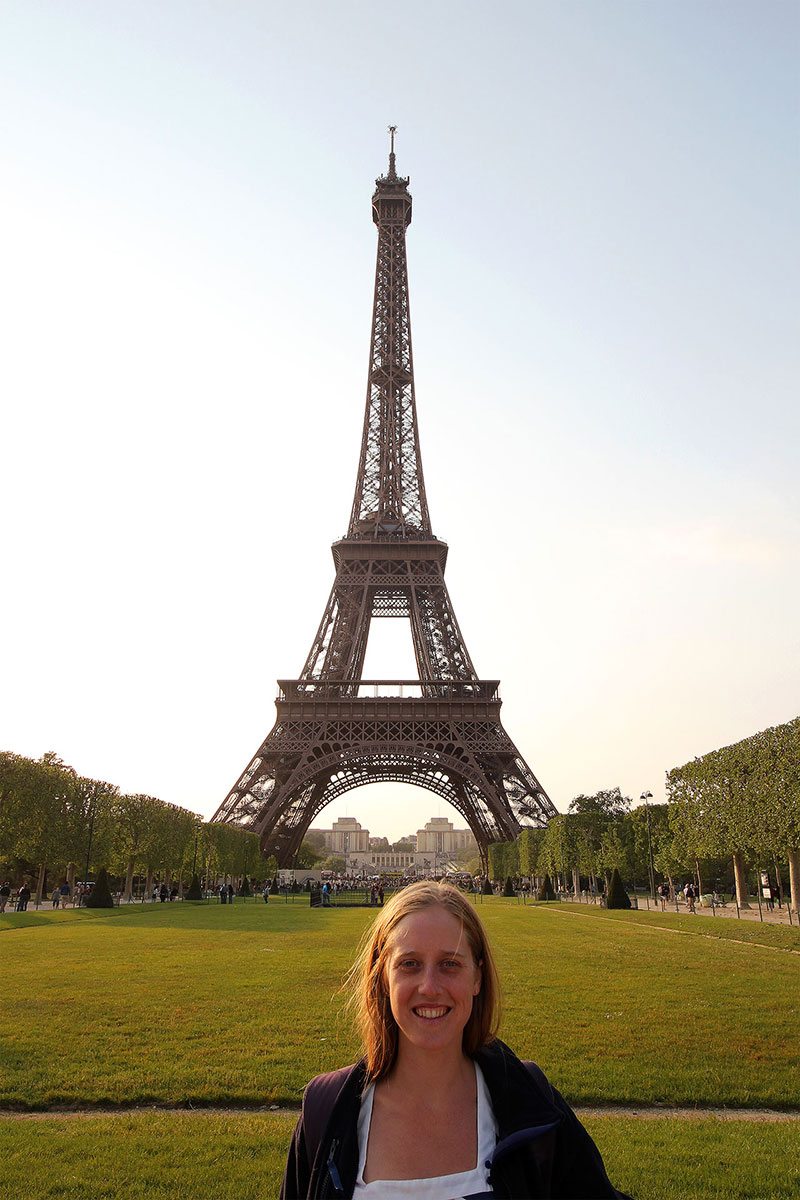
(56,897)
(5,894)
(66,892)
(266,892)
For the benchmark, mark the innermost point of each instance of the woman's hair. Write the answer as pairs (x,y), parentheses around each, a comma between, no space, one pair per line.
(369,997)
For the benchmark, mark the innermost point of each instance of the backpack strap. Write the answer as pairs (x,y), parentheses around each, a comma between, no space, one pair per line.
(318,1104)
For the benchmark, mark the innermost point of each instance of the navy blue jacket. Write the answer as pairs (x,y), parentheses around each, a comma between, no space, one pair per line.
(542,1149)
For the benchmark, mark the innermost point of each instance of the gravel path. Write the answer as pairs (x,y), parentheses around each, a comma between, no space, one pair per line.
(644,1112)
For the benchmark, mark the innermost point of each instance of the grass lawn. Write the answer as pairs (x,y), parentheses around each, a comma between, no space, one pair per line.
(147,1156)
(241,1005)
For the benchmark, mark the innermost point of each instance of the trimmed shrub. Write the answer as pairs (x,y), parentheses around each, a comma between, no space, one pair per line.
(546,890)
(617,896)
(195,892)
(487,887)
(244,889)
(100,895)
(508,890)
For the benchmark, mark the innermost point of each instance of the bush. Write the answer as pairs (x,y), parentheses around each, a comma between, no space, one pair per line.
(617,896)
(546,890)
(244,889)
(487,887)
(195,892)
(100,895)
(508,890)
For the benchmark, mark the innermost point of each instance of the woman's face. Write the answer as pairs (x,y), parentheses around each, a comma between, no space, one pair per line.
(431,978)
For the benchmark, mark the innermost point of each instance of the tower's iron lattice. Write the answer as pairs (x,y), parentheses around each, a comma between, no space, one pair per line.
(336,731)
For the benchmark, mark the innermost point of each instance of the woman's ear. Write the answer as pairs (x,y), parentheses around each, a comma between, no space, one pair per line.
(479,980)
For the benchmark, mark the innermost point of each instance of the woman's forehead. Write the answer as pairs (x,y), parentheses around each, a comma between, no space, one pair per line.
(427,928)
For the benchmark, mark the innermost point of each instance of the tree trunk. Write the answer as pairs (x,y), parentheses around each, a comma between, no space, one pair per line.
(741,880)
(794,880)
(576,882)
(180,883)
(126,895)
(778,877)
(168,880)
(71,878)
(699,878)
(148,887)
(40,885)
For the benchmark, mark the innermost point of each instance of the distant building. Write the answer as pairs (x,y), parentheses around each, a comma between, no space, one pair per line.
(431,848)
(440,837)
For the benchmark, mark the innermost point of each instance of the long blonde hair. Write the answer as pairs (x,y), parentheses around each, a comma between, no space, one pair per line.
(369,994)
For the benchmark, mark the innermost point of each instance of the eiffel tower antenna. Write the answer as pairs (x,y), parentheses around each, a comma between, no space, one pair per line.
(335,730)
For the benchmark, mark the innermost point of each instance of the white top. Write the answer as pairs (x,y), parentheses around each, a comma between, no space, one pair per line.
(439,1187)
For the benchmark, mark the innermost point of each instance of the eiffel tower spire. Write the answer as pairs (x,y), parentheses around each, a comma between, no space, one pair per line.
(390,491)
(335,730)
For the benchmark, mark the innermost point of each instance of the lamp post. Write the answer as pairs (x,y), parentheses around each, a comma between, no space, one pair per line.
(89,849)
(649,796)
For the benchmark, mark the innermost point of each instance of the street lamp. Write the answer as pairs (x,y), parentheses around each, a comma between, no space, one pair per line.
(89,848)
(649,796)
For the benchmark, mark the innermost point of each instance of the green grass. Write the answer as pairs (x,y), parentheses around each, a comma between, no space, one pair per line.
(779,937)
(241,1005)
(146,1156)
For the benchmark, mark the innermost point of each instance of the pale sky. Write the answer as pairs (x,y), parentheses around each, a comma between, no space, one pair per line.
(604,293)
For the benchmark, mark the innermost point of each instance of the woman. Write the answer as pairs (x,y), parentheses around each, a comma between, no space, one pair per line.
(438,1108)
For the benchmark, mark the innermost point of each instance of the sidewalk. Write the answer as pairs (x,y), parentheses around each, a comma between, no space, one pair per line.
(777,916)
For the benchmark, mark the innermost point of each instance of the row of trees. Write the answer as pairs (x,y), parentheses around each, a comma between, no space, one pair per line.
(743,801)
(738,806)
(55,822)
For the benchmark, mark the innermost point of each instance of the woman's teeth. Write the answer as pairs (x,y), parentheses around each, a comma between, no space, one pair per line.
(429,1013)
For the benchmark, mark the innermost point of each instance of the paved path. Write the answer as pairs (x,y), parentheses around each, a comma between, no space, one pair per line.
(644,1112)
(775,917)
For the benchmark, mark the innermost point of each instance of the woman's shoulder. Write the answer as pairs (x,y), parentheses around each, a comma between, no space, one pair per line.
(506,1072)
(338,1090)
(331,1082)
(323,1091)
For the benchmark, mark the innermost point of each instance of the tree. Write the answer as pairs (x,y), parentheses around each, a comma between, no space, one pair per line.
(530,845)
(100,895)
(195,891)
(35,798)
(508,890)
(546,890)
(617,896)
(334,862)
(307,856)
(594,814)
(316,837)
(132,816)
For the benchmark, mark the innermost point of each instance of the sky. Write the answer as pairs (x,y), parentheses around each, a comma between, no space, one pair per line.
(603,265)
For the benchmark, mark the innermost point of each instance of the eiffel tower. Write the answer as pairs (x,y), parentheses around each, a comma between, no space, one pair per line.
(336,731)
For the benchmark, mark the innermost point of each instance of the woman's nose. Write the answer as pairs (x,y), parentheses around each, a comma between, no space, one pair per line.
(428,982)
